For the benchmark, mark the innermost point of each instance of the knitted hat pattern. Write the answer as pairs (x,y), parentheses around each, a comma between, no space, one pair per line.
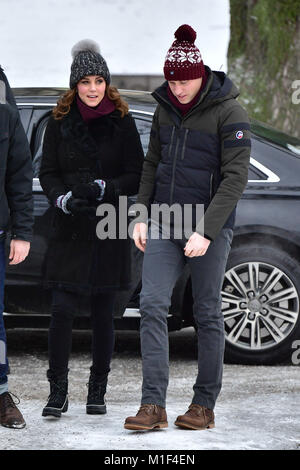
(183,60)
(87,60)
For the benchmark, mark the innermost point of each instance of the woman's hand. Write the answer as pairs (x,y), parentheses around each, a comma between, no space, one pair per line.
(80,207)
(90,191)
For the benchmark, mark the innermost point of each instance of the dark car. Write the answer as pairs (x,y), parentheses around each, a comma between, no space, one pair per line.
(261,288)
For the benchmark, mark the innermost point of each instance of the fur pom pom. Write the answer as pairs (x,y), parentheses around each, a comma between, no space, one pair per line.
(85,45)
(185,33)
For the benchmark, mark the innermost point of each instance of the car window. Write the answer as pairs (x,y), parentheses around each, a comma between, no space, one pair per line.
(37,156)
(144,128)
(25,115)
(259,173)
(255,174)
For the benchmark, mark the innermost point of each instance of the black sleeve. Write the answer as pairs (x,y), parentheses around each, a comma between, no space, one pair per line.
(150,164)
(50,175)
(18,184)
(132,162)
(235,157)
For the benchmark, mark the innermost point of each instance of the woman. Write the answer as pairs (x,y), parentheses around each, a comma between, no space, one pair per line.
(92,154)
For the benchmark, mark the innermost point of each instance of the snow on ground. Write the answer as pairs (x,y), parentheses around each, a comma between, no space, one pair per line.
(258,408)
(36,36)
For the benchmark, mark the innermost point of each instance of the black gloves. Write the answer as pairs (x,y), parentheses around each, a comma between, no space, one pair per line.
(80,200)
(91,191)
(80,207)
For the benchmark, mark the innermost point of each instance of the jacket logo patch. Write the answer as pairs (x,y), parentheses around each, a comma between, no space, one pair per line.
(239,134)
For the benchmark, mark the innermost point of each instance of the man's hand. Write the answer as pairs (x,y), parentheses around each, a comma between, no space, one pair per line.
(19,250)
(196,245)
(140,235)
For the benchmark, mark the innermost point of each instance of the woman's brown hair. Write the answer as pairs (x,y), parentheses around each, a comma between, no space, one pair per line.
(64,103)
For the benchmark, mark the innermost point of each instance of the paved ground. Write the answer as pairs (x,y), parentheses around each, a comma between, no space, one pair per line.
(258,408)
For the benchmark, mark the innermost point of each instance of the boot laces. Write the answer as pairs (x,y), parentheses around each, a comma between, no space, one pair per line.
(56,391)
(96,388)
(8,401)
(197,409)
(148,409)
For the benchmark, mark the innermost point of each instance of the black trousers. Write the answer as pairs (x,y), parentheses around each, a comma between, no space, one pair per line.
(64,308)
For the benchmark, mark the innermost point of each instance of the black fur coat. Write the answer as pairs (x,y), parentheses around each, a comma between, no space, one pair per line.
(109,148)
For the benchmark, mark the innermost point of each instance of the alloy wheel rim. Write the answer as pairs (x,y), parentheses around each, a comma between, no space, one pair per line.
(260,305)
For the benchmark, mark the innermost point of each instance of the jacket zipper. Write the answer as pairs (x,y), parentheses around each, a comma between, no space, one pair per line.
(172,136)
(211,186)
(183,147)
(174,168)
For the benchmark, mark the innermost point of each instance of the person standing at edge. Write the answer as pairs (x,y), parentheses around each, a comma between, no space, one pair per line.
(16,205)
(198,154)
(92,154)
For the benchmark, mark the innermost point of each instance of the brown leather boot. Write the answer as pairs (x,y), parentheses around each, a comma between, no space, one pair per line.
(197,417)
(10,416)
(148,417)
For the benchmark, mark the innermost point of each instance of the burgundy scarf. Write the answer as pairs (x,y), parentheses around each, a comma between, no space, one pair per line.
(88,113)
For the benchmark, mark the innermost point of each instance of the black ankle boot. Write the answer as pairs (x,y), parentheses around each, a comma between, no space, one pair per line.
(97,388)
(58,398)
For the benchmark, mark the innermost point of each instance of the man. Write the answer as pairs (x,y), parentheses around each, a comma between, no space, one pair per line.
(198,154)
(16,205)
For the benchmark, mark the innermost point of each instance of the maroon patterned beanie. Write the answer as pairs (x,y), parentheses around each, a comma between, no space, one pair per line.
(183,60)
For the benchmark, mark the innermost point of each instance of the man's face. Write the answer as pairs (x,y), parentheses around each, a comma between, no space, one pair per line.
(185,90)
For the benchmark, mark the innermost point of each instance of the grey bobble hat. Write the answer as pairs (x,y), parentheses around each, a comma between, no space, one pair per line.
(87,60)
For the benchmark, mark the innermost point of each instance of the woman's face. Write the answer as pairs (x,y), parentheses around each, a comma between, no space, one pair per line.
(91,89)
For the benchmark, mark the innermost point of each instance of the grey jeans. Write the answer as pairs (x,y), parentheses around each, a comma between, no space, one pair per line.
(164,260)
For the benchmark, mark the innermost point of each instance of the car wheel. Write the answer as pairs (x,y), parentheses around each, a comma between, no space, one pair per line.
(260,304)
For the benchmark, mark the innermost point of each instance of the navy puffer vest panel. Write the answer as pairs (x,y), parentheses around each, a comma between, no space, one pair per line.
(189,166)
(189,169)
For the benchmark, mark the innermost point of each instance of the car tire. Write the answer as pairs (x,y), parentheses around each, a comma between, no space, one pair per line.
(260,328)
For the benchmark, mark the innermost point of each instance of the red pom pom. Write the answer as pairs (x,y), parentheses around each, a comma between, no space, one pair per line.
(185,33)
